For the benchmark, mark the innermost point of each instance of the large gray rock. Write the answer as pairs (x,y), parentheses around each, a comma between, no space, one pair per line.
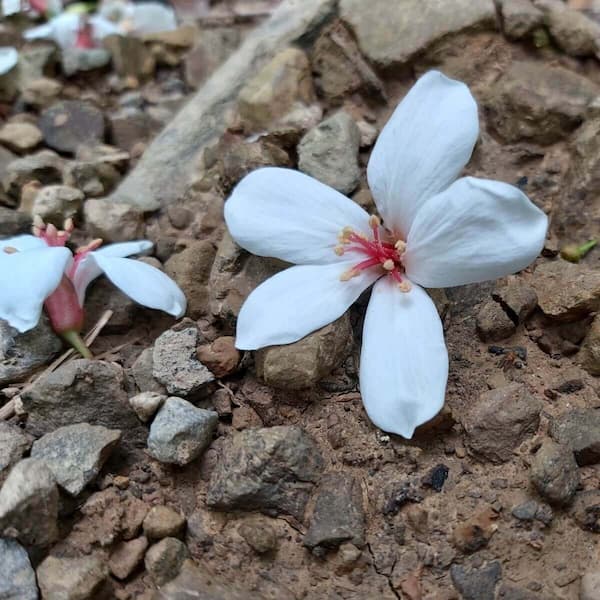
(538,102)
(520,18)
(13,444)
(17,577)
(554,473)
(579,429)
(75,453)
(22,353)
(393,32)
(164,560)
(180,432)
(29,504)
(82,391)
(329,152)
(176,365)
(170,162)
(272,470)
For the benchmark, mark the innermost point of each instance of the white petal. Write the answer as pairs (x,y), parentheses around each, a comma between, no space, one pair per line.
(476,230)
(296,302)
(87,270)
(8,59)
(422,148)
(26,280)
(288,215)
(22,242)
(404,362)
(143,283)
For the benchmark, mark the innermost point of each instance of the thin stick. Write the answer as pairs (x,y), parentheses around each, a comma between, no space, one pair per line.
(8,410)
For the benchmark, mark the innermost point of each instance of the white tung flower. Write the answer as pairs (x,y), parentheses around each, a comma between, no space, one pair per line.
(438,231)
(36,269)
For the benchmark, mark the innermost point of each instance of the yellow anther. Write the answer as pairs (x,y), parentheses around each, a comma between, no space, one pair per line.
(339,250)
(9,249)
(389,265)
(374,221)
(405,286)
(400,246)
(348,275)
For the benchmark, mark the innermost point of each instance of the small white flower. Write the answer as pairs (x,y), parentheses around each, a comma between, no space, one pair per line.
(32,267)
(439,232)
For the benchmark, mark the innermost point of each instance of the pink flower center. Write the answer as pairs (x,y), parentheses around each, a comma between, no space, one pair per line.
(376,253)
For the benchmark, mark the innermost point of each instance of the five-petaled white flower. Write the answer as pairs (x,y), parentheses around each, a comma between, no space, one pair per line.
(38,270)
(438,231)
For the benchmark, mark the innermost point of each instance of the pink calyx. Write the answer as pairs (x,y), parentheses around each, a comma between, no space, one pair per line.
(377,252)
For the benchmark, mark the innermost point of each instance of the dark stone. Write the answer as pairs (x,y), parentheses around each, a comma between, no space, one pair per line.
(579,428)
(477,584)
(525,511)
(436,477)
(399,495)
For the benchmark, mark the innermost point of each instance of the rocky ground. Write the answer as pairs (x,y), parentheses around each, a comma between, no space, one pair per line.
(174,467)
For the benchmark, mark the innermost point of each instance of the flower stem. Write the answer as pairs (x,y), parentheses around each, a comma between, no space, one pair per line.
(74,339)
(574,253)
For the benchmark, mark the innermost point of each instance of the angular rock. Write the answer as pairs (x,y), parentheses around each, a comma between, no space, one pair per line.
(579,429)
(112,222)
(338,514)
(13,444)
(520,18)
(55,203)
(41,92)
(74,60)
(72,123)
(259,534)
(142,373)
(36,60)
(586,510)
(589,355)
(29,504)
(303,363)
(276,89)
(20,137)
(102,295)
(130,56)
(190,268)
(164,560)
(390,33)
(82,391)
(329,152)
(17,577)
(221,357)
(79,578)
(271,470)
(538,102)
(340,66)
(93,178)
(75,453)
(175,364)
(566,291)
(477,583)
(180,432)
(554,473)
(525,511)
(127,556)
(146,404)
(162,521)
(475,533)
(44,166)
(518,299)
(23,353)
(500,421)
(493,324)
(574,33)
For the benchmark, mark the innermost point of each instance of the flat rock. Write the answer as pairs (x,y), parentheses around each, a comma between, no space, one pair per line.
(579,429)
(20,137)
(82,391)
(162,521)
(14,442)
(589,355)
(538,102)
(79,578)
(17,577)
(329,152)
(180,432)
(271,470)
(554,473)
(176,365)
(22,353)
(302,364)
(477,583)
(127,556)
(71,123)
(566,291)
(164,560)
(44,166)
(55,203)
(338,514)
(393,32)
(29,504)
(500,421)
(41,92)
(75,453)
(112,222)
(518,299)
(520,18)
(130,56)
